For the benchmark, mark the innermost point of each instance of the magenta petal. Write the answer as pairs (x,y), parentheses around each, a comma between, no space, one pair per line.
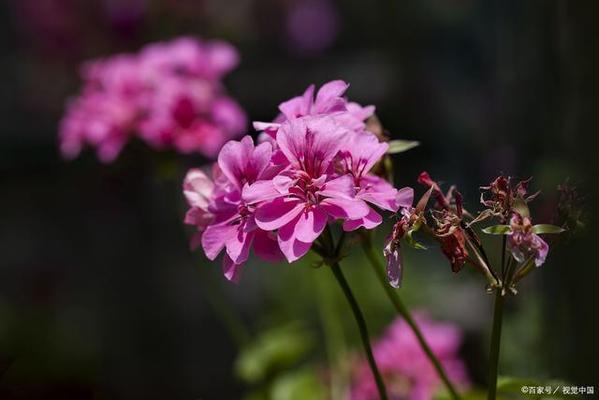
(292,248)
(542,249)
(310,225)
(241,162)
(298,106)
(311,143)
(233,158)
(394,268)
(405,197)
(238,245)
(197,188)
(379,192)
(266,246)
(276,213)
(372,220)
(231,271)
(342,186)
(215,237)
(259,191)
(329,97)
(345,208)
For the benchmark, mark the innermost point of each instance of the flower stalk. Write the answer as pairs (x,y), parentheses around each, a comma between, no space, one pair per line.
(393,296)
(495,344)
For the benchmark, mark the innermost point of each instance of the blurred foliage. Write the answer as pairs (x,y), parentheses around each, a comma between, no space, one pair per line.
(273,351)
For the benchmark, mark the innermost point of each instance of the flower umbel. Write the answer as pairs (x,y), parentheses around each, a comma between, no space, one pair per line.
(312,168)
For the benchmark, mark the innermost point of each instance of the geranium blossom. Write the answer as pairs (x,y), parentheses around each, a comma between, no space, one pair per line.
(328,101)
(224,219)
(406,370)
(169,95)
(307,193)
(359,153)
(313,167)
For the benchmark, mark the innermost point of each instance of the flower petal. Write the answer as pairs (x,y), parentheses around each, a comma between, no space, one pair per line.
(394,268)
(238,245)
(372,220)
(231,271)
(292,248)
(276,213)
(345,208)
(266,246)
(259,191)
(298,106)
(310,224)
(197,188)
(342,186)
(215,237)
(405,197)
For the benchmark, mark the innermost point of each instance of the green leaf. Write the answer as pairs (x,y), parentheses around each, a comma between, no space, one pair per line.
(274,350)
(497,230)
(399,146)
(546,228)
(299,385)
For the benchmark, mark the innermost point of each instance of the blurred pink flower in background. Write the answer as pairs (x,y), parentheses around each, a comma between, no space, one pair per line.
(407,371)
(169,94)
(312,25)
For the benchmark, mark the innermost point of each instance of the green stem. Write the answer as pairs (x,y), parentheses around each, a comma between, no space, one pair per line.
(334,336)
(495,344)
(363,329)
(393,296)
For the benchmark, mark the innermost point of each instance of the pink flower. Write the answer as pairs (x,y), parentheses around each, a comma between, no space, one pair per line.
(359,153)
(406,370)
(523,243)
(169,94)
(190,57)
(191,116)
(310,168)
(308,192)
(106,113)
(224,219)
(328,101)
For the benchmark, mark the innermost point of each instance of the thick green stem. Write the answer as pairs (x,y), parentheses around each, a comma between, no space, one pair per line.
(393,296)
(363,329)
(495,344)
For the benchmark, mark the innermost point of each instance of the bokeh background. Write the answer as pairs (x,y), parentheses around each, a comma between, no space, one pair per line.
(100,297)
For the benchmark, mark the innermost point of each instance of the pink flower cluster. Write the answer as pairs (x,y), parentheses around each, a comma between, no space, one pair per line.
(169,94)
(312,166)
(406,370)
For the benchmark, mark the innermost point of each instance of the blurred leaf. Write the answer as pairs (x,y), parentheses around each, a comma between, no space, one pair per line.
(497,230)
(275,349)
(399,146)
(299,385)
(473,394)
(546,228)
